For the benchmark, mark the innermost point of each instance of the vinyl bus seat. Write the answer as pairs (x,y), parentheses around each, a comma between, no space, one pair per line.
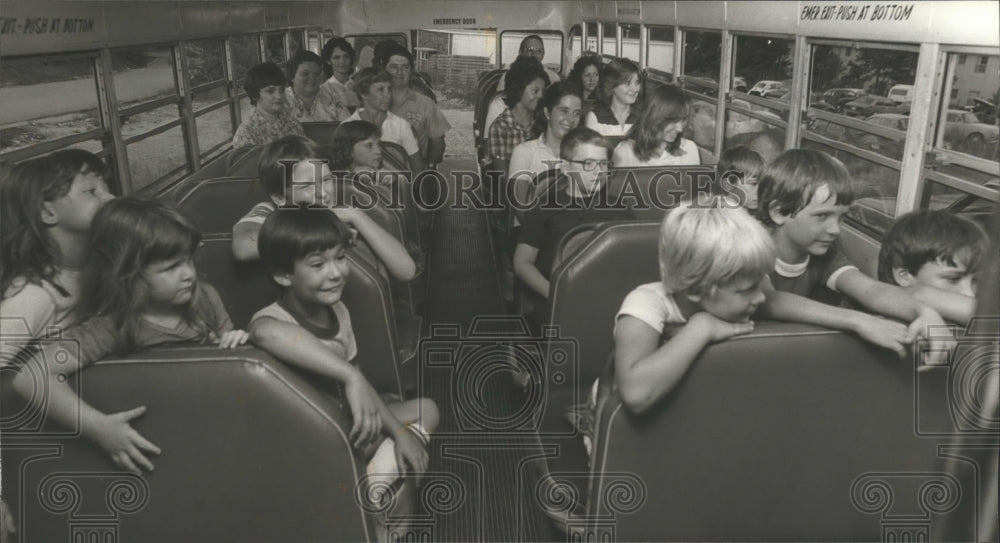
(650,191)
(251,452)
(215,205)
(320,132)
(246,288)
(244,162)
(789,433)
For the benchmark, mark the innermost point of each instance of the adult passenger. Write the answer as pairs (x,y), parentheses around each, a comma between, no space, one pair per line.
(373,87)
(531,46)
(338,65)
(305,72)
(271,120)
(616,110)
(658,138)
(525,83)
(586,74)
(427,121)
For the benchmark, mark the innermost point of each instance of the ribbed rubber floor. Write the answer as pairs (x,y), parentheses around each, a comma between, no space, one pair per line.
(480,487)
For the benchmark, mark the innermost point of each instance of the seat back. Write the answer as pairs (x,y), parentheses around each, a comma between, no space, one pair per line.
(394,157)
(320,131)
(244,162)
(215,205)
(650,191)
(246,288)
(789,433)
(588,287)
(239,432)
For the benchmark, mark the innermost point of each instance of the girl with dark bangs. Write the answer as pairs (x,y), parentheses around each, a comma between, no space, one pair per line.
(141,290)
(47,205)
(657,139)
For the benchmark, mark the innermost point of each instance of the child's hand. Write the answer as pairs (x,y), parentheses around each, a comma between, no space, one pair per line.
(411,457)
(116,436)
(940,344)
(233,339)
(882,332)
(364,407)
(716,329)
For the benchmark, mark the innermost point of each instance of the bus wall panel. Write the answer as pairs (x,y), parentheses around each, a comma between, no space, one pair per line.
(771,17)
(386,16)
(701,14)
(276,14)
(246,17)
(204,18)
(659,13)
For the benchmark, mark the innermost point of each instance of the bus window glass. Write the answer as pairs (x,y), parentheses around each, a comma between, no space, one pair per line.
(701,123)
(759,131)
(294,42)
(575,43)
(205,61)
(46,98)
(453,60)
(660,50)
(146,121)
(861,81)
(214,128)
(591,37)
(246,55)
(972,206)
(610,45)
(763,66)
(702,55)
(970,123)
(158,157)
(630,41)
(364,46)
(274,48)
(142,75)
(510,43)
(315,40)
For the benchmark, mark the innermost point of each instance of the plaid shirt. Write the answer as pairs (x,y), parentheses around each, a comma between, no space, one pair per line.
(261,129)
(505,134)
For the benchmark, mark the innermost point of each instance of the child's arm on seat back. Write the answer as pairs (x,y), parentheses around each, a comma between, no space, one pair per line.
(297,346)
(220,325)
(95,340)
(245,241)
(646,371)
(893,301)
(386,247)
(953,306)
(786,306)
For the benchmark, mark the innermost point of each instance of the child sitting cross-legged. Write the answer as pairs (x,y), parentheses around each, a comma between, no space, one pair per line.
(935,255)
(310,176)
(304,251)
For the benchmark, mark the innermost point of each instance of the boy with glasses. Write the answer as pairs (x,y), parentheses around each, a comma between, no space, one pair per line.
(578,196)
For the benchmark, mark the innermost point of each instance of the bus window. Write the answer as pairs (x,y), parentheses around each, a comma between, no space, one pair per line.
(205,62)
(274,48)
(364,46)
(855,84)
(702,55)
(609,45)
(295,42)
(315,40)
(591,37)
(47,99)
(575,43)
(973,91)
(146,88)
(761,84)
(510,43)
(246,55)
(660,51)
(630,41)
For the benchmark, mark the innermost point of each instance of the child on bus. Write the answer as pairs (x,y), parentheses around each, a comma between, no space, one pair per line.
(303,179)
(356,147)
(577,196)
(714,267)
(140,289)
(47,205)
(309,326)
(802,196)
(738,170)
(935,255)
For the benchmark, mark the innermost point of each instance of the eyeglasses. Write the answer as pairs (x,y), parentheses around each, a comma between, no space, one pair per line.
(590,164)
(533,50)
